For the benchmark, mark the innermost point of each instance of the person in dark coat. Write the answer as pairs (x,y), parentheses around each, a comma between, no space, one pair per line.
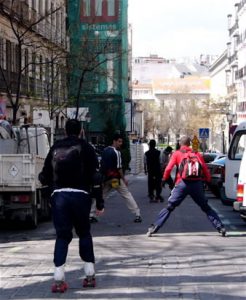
(166,155)
(152,167)
(69,171)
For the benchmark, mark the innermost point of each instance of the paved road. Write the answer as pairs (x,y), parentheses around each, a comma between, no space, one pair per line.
(186,260)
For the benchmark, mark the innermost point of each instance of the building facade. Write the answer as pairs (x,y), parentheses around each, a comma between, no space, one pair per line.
(33,48)
(99,68)
(165,94)
(236,54)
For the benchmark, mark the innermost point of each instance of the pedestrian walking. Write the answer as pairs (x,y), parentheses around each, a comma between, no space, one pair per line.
(192,170)
(166,155)
(152,167)
(113,176)
(69,171)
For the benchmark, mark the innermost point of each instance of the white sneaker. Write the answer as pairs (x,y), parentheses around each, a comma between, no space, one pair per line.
(59,274)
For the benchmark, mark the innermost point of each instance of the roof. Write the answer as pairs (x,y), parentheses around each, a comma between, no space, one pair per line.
(147,72)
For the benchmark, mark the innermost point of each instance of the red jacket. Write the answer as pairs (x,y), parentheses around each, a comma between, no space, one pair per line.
(176,159)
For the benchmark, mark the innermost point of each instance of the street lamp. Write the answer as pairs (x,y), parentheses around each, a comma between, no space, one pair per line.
(223,126)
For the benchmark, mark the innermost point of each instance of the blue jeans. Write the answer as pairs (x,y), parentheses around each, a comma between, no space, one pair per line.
(71,210)
(178,194)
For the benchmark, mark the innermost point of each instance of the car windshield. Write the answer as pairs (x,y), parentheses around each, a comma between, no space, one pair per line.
(219,161)
(209,157)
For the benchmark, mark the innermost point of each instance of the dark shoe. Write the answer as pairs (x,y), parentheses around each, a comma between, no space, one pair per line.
(222,231)
(152,229)
(138,219)
(152,199)
(93,220)
(159,198)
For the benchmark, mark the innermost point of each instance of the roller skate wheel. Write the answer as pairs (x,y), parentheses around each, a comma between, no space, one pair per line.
(59,287)
(89,282)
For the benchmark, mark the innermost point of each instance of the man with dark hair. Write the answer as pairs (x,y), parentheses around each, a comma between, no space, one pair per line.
(166,155)
(69,171)
(152,167)
(113,176)
(187,184)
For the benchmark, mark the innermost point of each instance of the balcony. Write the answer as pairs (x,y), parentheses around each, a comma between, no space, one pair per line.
(232,59)
(233,28)
(241,4)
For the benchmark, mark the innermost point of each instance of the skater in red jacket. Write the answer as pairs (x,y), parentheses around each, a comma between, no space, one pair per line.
(190,176)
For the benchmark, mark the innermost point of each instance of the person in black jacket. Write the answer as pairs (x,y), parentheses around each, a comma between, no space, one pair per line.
(69,170)
(152,167)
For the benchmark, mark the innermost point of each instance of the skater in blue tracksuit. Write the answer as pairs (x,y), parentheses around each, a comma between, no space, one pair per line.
(69,171)
(184,187)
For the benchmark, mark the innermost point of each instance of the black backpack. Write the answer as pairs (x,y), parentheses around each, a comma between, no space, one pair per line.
(66,163)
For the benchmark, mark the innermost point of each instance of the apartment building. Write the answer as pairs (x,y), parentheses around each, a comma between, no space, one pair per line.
(236,70)
(99,73)
(162,89)
(33,47)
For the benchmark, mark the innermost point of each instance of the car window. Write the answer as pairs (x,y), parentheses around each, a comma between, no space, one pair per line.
(238,146)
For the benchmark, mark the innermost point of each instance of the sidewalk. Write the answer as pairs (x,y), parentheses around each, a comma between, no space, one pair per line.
(186,260)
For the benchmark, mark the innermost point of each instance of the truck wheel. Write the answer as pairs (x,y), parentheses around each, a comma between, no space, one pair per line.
(32,220)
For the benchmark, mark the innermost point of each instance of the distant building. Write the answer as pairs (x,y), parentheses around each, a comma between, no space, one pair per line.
(167,85)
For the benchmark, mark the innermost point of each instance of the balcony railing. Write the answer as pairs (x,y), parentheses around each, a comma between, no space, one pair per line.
(233,28)
(232,58)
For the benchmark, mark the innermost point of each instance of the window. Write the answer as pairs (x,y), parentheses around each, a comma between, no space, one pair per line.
(111,8)
(98,7)
(86,8)
(40,67)
(8,56)
(99,11)
(33,65)
(17,60)
(26,62)
(34,4)
(238,146)
(2,61)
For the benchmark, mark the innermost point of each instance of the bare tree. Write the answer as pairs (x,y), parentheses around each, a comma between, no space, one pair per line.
(93,63)
(23,22)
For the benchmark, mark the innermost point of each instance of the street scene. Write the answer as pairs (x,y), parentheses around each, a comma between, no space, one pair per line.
(123,149)
(187,259)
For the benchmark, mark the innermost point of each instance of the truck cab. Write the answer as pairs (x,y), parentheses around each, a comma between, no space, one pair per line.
(233,161)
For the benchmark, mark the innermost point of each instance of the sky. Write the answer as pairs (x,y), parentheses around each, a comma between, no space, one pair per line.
(179,28)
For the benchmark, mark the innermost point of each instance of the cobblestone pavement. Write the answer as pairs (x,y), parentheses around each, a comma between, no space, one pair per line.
(186,260)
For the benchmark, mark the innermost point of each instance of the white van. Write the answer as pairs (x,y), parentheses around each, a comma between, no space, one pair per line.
(233,162)
(240,204)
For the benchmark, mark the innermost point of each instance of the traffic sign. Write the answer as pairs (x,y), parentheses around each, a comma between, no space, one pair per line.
(203,133)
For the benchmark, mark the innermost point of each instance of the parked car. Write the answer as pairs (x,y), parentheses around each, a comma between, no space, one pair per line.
(217,171)
(212,156)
